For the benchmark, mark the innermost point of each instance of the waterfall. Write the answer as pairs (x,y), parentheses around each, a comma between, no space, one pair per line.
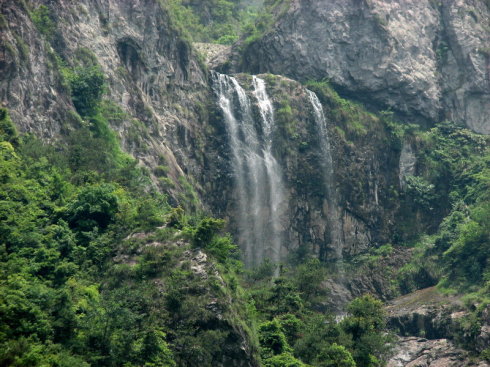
(258,179)
(333,217)
(274,174)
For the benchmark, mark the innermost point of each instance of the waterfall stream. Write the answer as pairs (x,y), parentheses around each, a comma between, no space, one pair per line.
(333,217)
(258,178)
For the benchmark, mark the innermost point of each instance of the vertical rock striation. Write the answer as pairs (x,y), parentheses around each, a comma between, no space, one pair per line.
(151,73)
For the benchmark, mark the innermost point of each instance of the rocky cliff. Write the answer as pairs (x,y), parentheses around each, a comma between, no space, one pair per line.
(152,75)
(426,60)
(431,326)
(336,172)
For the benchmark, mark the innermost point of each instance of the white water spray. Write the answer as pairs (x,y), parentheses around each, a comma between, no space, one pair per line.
(258,178)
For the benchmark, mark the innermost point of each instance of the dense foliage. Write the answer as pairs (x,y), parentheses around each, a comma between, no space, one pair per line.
(294,330)
(76,290)
(217,21)
(452,182)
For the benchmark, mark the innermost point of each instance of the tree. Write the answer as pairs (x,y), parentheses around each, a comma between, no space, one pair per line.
(95,206)
(366,323)
(87,87)
(335,356)
(283,360)
(8,132)
(272,339)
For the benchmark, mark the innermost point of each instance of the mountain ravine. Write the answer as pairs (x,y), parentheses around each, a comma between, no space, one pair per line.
(327,137)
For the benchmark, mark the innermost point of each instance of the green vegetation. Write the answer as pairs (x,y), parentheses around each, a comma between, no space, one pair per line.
(225,21)
(217,21)
(66,212)
(452,183)
(272,10)
(292,331)
(66,298)
(86,85)
(57,235)
(42,18)
(8,132)
(97,269)
(79,290)
(444,206)
(285,118)
(354,121)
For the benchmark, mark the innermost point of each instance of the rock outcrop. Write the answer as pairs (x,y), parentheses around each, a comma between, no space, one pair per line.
(203,291)
(428,324)
(420,352)
(425,313)
(426,60)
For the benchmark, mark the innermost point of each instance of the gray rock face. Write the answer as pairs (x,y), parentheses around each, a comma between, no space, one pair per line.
(426,60)
(425,313)
(29,86)
(427,321)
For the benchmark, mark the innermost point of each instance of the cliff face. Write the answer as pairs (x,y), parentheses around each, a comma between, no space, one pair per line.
(152,74)
(426,60)
(300,170)
(429,323)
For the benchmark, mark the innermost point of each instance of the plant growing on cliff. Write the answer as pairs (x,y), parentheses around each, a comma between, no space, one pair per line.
(421,192)
(41,17)
(8,132)
(206,236)
(87,87)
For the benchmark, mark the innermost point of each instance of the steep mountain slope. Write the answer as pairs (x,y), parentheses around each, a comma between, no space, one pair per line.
(153,77)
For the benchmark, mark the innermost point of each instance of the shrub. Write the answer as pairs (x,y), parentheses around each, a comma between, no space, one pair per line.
(41,17)
(272,339)
(87,87)
(335,356)
(8,132)
(95,206)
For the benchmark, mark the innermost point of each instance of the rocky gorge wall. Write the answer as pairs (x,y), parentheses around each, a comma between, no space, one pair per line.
(426,60)
(305,171)
(171,118)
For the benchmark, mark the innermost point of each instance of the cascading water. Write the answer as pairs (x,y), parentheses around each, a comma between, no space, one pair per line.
(274,174)
(333,217)
(258,179)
